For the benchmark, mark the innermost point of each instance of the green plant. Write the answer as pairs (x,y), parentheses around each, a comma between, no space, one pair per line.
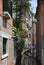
(18,34)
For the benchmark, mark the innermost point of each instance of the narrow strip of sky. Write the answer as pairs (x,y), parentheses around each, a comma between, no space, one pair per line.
(33,5)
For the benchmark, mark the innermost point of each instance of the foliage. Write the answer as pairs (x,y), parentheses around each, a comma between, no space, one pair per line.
(27,6)
(24,4)
(19,36)
(18,28)
(16,23)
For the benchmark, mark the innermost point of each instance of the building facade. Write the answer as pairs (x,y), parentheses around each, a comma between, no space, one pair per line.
(34,31)
(34,21)
(27,25)
(6,41)
(40,31)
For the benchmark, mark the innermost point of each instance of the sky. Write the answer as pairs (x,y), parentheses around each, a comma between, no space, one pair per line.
(33,5)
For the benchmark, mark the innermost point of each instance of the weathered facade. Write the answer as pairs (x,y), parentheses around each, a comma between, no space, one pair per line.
(34,21)
(40,31)
(34,31)
(27,25)
(6,41)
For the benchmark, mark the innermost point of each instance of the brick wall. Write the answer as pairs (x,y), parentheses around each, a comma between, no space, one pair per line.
(8,29)
(34,33)
(1,7)
(10,46)
(40,31)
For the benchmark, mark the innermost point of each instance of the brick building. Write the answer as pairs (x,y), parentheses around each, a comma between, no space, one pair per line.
(34,31)
(6,41)
(40,31)
(34,21)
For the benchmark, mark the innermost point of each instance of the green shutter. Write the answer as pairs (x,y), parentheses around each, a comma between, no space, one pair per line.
(5,5)
(10,8)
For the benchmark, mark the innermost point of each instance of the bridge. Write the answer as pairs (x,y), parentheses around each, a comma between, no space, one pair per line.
(29,49)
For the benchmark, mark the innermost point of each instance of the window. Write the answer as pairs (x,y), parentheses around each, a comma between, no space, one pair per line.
(29,35)
(30,28)
(4,45)
(5,22)
(27,26)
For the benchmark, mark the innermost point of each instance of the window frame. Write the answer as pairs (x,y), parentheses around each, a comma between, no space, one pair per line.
(4,48)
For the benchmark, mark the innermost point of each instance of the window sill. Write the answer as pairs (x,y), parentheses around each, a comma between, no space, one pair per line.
(4,56)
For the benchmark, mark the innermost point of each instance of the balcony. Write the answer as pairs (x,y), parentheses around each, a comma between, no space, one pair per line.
(6,15)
